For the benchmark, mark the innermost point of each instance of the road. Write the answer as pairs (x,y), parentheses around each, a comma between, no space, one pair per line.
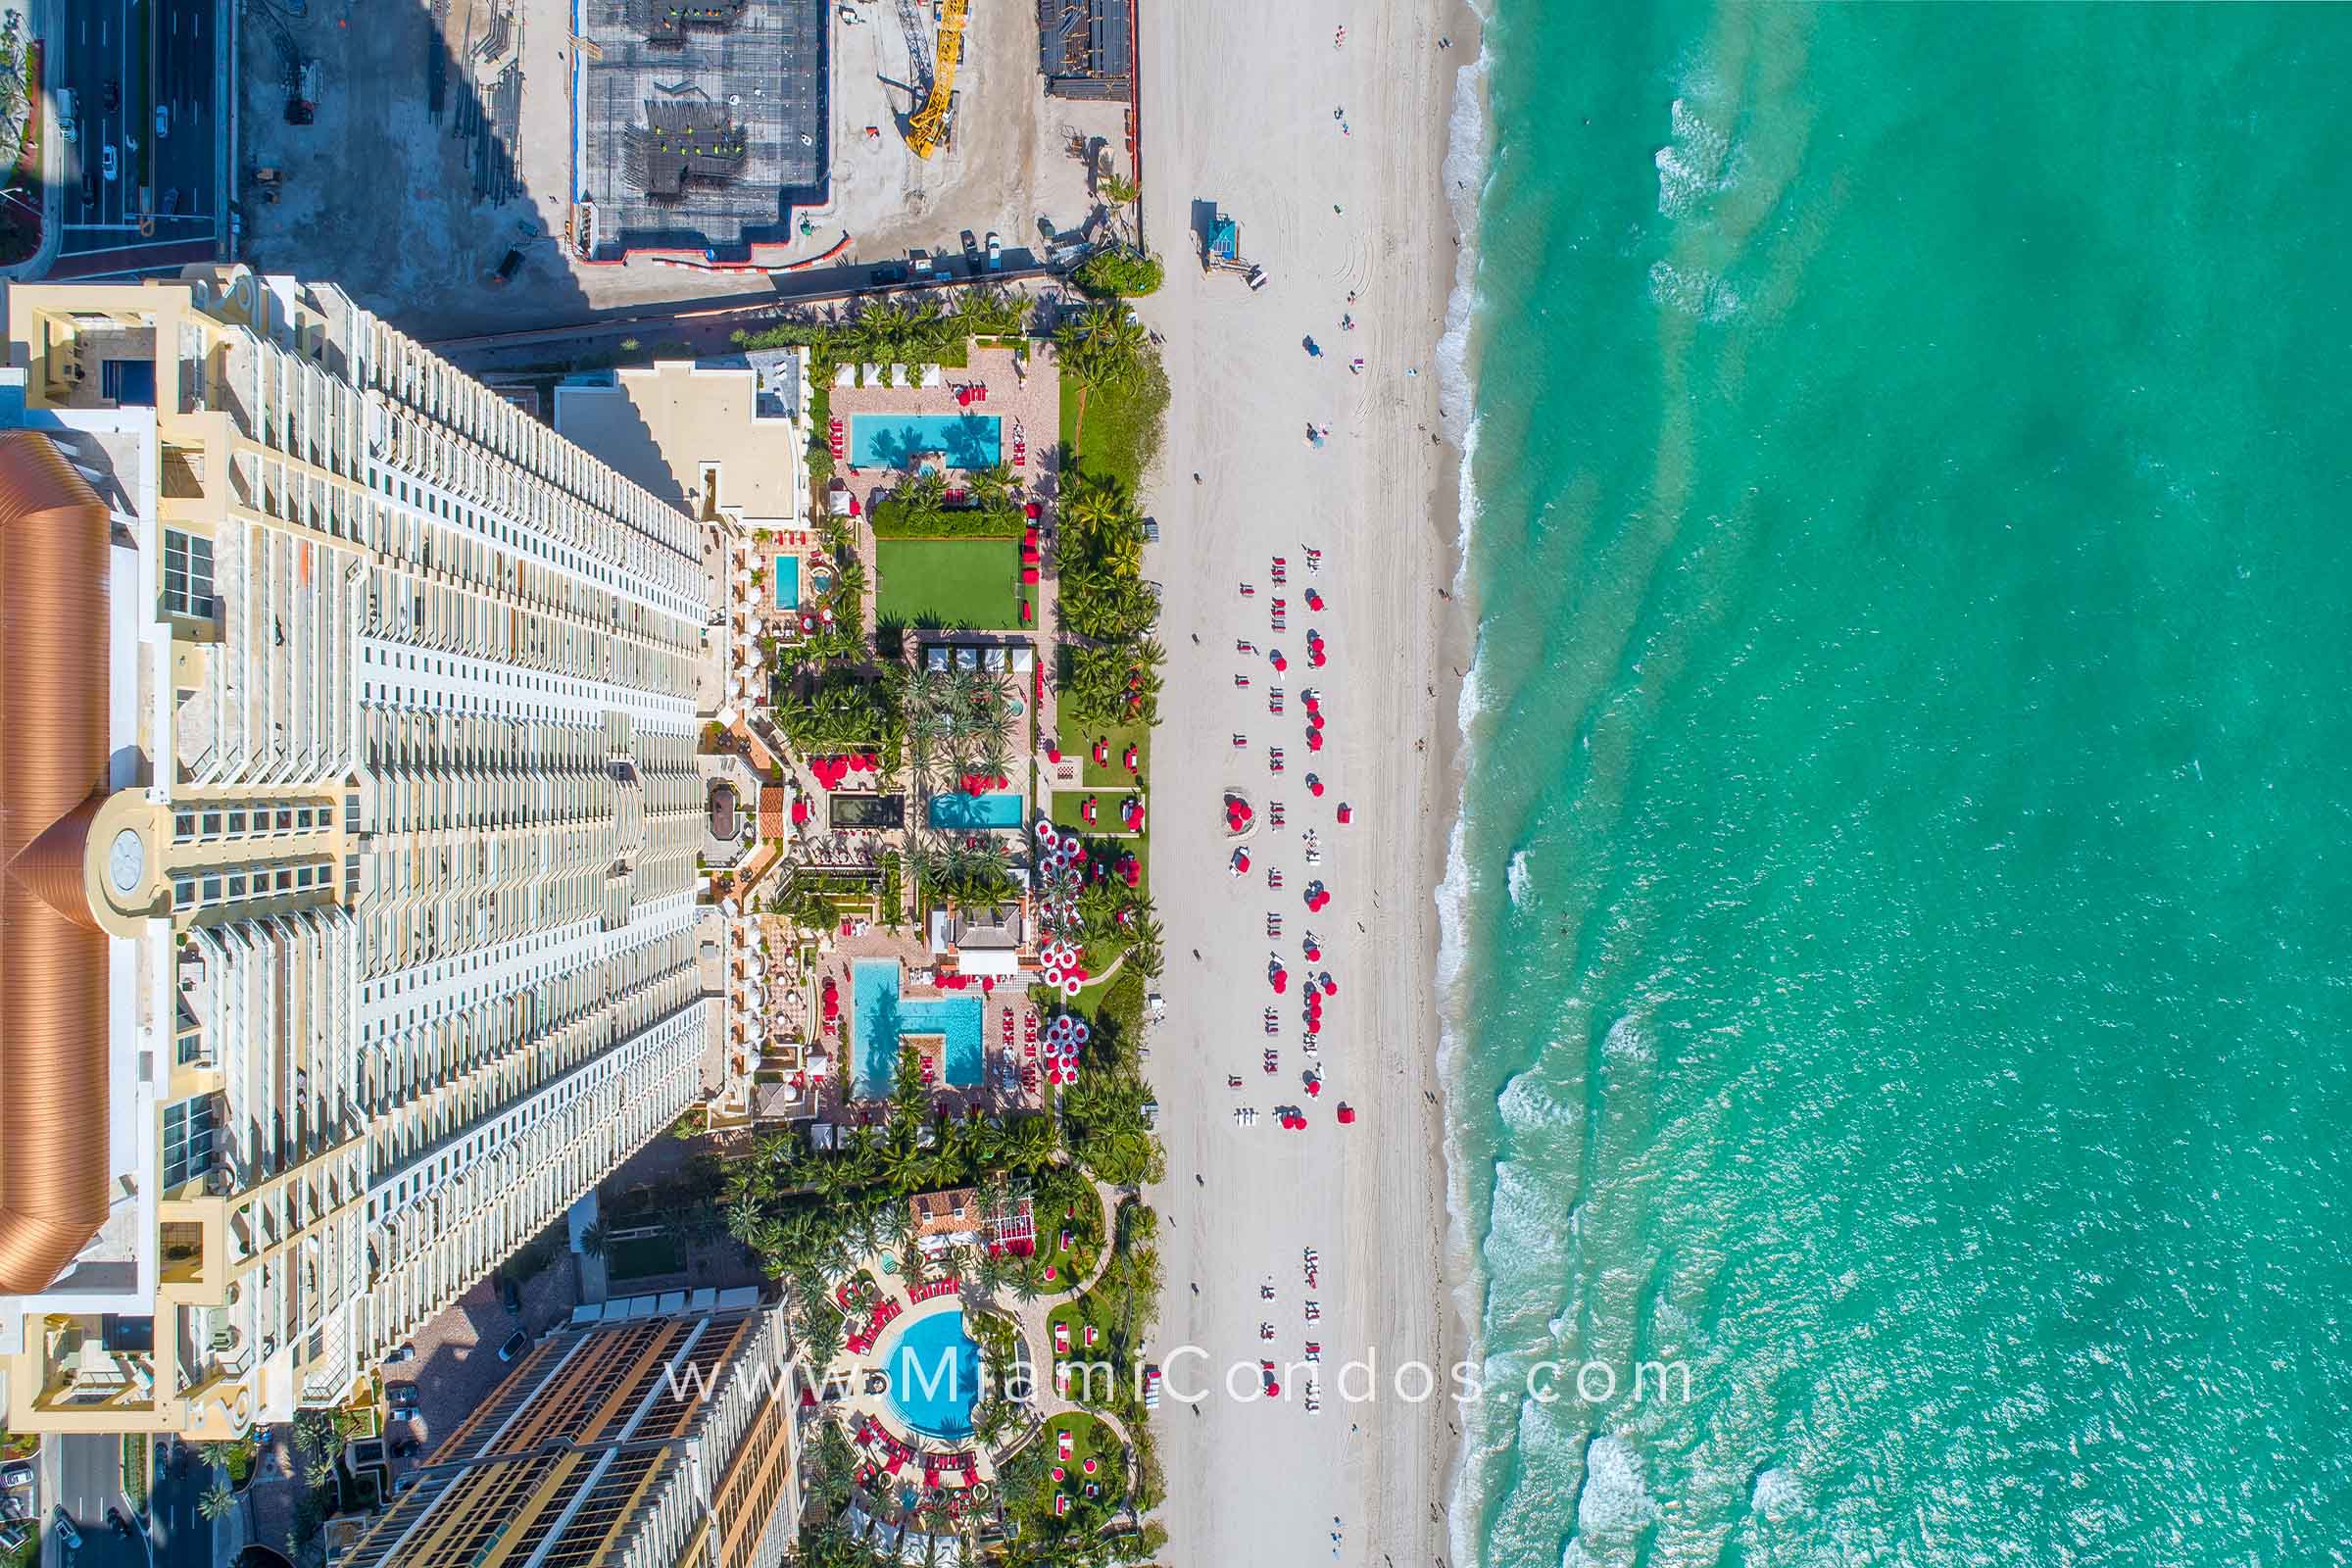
(705,324)
(88,1481)
(155,61)
(182,1536)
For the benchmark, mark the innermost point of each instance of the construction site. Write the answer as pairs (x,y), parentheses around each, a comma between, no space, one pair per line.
(473,165)
(700,124)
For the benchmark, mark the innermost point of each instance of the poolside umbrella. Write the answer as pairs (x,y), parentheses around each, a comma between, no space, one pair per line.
(1281,981)
(1314,716)
(1050,974)
(1331,987)
(1071,986)
(1314,785)
(1241,861)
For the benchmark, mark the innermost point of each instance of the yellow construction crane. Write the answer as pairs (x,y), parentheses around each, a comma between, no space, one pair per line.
(929,126)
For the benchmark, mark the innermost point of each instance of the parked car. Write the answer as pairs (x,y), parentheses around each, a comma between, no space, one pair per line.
(516,1345)
(60,1525)
(108,164)
(996,252)
(402,1448)
(971,252)
(14,1471)
(887,274)
(163,120)
(402,1352)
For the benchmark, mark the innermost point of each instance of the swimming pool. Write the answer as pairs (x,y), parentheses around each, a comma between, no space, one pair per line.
(934,1376)
(787,582)
(892,440)
(996,809)
(881,1015)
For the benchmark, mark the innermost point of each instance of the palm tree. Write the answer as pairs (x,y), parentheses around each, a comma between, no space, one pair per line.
(596,1238)
(215,1503)
(996,755)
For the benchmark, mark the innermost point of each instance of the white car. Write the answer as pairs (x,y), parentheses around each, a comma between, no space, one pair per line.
(108,164)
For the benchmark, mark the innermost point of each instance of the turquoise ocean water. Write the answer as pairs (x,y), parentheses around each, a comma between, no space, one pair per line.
(1900,926)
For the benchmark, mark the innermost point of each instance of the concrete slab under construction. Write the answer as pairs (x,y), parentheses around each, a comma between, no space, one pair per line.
(698,125)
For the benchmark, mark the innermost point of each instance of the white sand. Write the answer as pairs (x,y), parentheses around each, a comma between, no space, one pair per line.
(1238,111)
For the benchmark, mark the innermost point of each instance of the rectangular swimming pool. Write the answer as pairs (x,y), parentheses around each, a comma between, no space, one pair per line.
(787,583)
(879,1015)
(892,440)
(996,809)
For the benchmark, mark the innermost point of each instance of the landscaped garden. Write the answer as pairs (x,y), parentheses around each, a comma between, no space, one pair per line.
(1070,807)
(1077,737)
(961,583)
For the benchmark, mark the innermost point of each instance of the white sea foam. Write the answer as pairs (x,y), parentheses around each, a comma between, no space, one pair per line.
(1694,164)
(1517,877)
(1626,1041)
(1777,1495)
(1693,291)
(1614,1498)
(1465,172)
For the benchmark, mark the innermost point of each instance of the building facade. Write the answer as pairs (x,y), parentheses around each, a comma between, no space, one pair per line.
(653,1433)
(351,812)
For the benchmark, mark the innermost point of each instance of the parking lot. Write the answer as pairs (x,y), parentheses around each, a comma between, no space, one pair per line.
(146,134)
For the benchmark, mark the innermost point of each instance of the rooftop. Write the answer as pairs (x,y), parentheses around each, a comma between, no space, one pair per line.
(715,437)
(700,126)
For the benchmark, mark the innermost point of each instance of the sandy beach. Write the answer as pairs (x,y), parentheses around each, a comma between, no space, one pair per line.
(1328,155)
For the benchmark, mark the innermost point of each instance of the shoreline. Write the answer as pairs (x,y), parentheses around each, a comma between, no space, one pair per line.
(1225,83)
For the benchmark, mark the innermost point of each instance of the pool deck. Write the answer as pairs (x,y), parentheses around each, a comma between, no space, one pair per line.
(839,1102)
(1030,402)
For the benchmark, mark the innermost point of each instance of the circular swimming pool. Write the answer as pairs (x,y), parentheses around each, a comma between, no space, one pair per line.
(934,1372)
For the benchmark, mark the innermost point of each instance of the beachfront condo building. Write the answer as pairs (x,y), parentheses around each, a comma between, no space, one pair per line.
(347,732)
(652,1433)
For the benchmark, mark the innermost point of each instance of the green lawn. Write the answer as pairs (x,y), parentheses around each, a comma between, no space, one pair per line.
(1091,1438)
(969,584)
(640,1255)
(1077,739)
(1106,812)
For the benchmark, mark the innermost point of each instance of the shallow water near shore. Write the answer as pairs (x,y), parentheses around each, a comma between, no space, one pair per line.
(1898,932)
